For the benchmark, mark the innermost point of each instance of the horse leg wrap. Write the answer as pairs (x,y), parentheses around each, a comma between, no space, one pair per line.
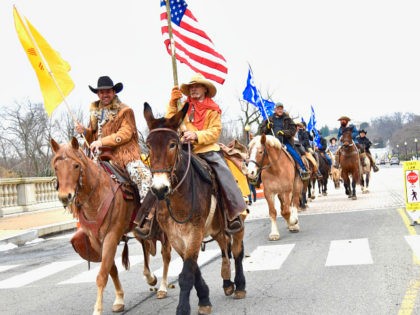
(202,289)
(186,281)
(240,281)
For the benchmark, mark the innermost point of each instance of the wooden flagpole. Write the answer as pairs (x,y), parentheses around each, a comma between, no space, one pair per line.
(174,65)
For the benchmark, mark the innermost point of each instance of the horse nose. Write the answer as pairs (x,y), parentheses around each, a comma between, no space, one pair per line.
(160,192)
(65,198)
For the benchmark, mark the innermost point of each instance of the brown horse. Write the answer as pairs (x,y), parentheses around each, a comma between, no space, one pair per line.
(105,213)
(350,163)
(279,177)
(365,170)
(189,210)
(324,169)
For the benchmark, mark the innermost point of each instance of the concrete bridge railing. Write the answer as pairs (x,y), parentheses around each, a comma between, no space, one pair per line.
(19,195)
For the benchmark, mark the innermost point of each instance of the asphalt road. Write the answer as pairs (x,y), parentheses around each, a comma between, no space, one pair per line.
(350,257)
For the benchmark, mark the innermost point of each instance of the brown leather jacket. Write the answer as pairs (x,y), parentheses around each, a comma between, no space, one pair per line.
(118,130)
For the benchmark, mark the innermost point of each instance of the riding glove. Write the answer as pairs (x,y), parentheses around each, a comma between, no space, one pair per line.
(269,125)
(280,133)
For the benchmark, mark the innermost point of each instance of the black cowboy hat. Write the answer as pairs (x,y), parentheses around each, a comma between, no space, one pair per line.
(333,138)
(363,130)
(105,83)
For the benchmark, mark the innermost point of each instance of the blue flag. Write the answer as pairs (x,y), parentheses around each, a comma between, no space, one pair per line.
(253,96)
(312,128)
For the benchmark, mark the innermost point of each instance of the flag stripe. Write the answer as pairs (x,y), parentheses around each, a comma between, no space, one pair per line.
(193,46)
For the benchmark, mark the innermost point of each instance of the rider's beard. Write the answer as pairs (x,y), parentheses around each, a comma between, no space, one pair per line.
(343,124)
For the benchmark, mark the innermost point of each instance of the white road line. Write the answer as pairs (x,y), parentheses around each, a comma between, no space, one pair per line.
(349,252)
(414,242)
(7,267)
(37,274)
(267,257)
(90,275)
(175,266)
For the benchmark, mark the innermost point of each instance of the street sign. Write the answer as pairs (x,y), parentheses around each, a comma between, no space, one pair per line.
(412,185)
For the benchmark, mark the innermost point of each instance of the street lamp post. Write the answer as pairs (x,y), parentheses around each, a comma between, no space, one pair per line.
(417,152)
(247,129)
(398,151)
(406,154)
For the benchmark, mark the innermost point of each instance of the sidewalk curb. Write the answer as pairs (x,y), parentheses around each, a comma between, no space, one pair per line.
(31,234)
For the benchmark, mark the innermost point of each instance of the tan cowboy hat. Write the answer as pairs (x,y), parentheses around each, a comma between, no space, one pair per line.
(198,78)
(344,118)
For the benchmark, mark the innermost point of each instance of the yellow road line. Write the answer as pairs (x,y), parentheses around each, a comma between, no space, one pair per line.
(409,300)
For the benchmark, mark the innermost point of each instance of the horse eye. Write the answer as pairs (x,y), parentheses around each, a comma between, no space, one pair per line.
(172,145)
(76,166)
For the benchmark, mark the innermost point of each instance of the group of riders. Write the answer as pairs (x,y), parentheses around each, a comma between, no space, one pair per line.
(112,124)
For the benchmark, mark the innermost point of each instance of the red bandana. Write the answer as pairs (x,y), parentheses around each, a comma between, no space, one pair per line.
(198,110)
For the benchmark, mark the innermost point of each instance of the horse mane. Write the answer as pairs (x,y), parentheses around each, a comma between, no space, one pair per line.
(269,140)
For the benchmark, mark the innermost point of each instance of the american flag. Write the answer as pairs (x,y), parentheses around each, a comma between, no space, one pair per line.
(193,46)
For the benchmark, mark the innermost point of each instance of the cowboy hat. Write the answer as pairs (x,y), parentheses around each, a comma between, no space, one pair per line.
(333,138)
(105,83)
(344,118)
(363,130)
(198,78)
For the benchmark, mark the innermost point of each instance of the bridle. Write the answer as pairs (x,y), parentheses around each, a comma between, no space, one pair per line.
(171,171)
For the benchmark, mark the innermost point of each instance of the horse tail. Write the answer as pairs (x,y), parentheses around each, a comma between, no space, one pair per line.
(124,256)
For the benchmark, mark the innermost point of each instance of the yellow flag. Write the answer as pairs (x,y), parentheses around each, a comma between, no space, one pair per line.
(50,68)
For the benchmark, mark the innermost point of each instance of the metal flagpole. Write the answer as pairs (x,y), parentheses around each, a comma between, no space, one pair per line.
(260,97)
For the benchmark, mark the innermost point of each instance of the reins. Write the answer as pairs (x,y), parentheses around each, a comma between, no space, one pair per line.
(171,171)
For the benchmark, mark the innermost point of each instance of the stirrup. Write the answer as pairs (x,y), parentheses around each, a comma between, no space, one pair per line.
(234,226)
(145,230)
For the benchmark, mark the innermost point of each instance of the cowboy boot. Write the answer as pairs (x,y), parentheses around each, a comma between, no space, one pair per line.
(145,216)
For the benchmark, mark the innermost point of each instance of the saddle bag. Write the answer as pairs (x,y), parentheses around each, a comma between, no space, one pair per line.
(82,246)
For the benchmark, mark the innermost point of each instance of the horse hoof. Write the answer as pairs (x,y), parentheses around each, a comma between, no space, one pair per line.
(117,308)
(152,282)
(229,290)
(161,294)
(204,310)
(273,237)
(353,197)
(239,295)
(294,229)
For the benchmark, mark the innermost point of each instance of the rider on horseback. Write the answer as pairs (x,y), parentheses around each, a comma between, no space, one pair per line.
(304,142)
(282,126)
(366,143)
(112,124)
(344,124)
(203,128)
(322,148)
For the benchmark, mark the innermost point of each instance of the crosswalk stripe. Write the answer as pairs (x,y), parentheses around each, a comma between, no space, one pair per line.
(349,252)
(175,267)
(7,267)
(37,274)
(90,275)
(267,257)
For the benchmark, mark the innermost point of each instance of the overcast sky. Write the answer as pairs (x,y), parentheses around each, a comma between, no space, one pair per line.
(359,58)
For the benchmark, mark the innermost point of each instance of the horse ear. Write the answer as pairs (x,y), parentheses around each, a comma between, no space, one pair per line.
(179,116)
(54,145)
(74,143)
(148,114)
(263,138)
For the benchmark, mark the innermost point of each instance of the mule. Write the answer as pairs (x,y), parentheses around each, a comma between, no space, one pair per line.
(365,169)
(105,211)
(350,163)
(189,210)
(324,169)
(268,159)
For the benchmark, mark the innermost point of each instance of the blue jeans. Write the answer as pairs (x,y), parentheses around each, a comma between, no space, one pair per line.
(295,155)
(328,159)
